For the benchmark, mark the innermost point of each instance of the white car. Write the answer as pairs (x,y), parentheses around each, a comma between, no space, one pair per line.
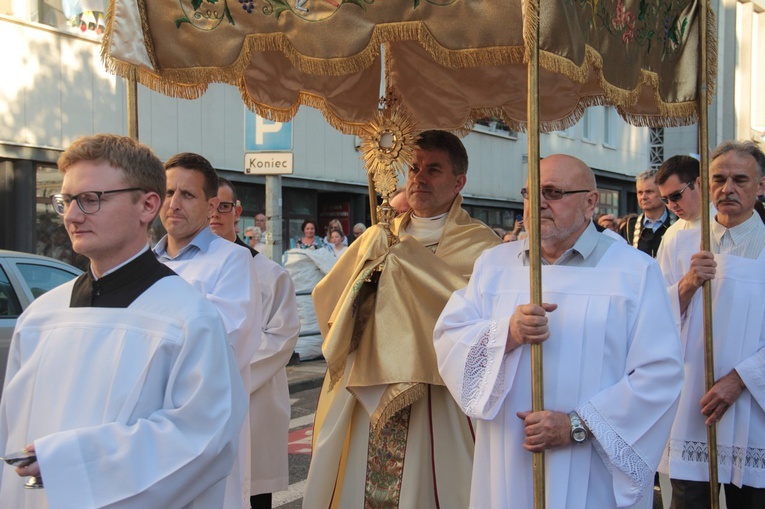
(23,278)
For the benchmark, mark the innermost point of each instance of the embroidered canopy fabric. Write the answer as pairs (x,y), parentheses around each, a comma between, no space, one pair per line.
(447,62)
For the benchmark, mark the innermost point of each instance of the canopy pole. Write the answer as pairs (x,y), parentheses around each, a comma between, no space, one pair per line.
(132,105)
(535,255)
(709,364)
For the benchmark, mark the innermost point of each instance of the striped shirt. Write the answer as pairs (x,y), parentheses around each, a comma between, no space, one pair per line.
(746,240)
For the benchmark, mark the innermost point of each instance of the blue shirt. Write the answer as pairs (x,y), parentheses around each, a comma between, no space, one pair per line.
(198,244)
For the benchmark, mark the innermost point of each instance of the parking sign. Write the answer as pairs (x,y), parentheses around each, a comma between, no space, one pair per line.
(264,135)
(267,146)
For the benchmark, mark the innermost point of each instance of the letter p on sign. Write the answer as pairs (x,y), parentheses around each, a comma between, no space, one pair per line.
(264,135)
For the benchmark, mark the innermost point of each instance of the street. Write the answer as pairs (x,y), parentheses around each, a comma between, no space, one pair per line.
(301,428)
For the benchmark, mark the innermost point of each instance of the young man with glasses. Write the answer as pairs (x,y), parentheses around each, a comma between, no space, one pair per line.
(269,391)
(612,359)
(122,381)
(220,270)
(646,230)
(735,268)
(679,187)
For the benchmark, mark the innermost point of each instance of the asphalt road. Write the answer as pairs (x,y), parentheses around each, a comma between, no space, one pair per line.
(301,427)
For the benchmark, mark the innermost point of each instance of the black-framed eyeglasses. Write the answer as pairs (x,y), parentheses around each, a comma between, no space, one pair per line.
(676,196)
(88,201)
(225,207)
(552,193)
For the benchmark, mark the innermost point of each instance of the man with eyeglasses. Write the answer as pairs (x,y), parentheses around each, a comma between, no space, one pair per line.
(387,432)
(736,402)
(122,381)
(220,270)
(645,231)
(679,187)
(269,392)
(612,358)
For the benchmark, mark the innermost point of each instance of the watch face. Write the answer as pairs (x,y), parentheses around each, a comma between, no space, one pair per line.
(579,435)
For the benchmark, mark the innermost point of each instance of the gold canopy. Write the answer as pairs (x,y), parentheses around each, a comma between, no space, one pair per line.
(449,61)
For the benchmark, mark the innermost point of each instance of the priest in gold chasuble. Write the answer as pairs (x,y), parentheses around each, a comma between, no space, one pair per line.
(387,432)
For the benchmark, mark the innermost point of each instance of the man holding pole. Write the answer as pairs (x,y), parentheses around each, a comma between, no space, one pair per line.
(736,402)
(612,360)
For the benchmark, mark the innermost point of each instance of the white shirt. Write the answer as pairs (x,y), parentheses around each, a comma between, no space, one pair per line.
(127,407)
(613,356)
(738,302)
(269,391)
(223,272)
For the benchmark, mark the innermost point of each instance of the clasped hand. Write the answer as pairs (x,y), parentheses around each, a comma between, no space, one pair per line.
(528,325)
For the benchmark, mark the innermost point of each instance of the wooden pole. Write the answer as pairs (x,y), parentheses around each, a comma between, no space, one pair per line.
(709,364)
(132,105)
(535,250)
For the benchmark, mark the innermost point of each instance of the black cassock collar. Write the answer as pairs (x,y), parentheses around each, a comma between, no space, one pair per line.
(239,242)
(120,288)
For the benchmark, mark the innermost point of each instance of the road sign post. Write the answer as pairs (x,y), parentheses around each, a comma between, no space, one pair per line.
(268,151)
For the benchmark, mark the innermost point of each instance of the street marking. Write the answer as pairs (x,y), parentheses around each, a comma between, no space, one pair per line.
(294,492)
(300,441)
(299,422)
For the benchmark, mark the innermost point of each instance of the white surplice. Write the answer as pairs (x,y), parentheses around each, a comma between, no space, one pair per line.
(269,391)
(148,417)
(613,356)
(738,303)
(223,272)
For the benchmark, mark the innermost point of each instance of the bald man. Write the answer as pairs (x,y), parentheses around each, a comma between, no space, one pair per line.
(612,359)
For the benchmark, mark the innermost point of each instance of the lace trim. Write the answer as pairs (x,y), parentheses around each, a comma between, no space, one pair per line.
(615,451)
(727,456)
(477,367)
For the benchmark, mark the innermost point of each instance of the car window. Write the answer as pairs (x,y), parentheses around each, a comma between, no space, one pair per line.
(9,303)
(42,278)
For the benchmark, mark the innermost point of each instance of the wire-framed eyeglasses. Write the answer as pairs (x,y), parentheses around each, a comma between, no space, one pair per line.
(88,201)
(676,196)
(552,193)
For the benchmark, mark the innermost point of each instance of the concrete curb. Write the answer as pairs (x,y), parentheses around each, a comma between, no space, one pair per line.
(304,385)
(302,376)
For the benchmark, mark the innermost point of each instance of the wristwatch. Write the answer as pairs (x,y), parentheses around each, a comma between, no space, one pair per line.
(579,433)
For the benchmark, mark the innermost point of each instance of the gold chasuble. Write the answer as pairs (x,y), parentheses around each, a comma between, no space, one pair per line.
(383,398)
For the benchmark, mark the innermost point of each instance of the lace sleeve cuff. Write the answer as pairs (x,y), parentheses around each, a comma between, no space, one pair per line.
(616,452)
(476,377)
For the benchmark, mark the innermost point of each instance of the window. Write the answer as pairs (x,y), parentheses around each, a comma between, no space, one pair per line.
(586,128)
(43,278)
(9,302)
(608,202)
(496,126)
(567,133)
(70,16)
(608,136)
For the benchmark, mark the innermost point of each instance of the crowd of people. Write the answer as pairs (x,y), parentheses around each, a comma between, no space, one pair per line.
(157,378)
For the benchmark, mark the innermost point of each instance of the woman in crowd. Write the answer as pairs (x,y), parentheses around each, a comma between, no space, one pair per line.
(334,224)
(336,246)
(309,239)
